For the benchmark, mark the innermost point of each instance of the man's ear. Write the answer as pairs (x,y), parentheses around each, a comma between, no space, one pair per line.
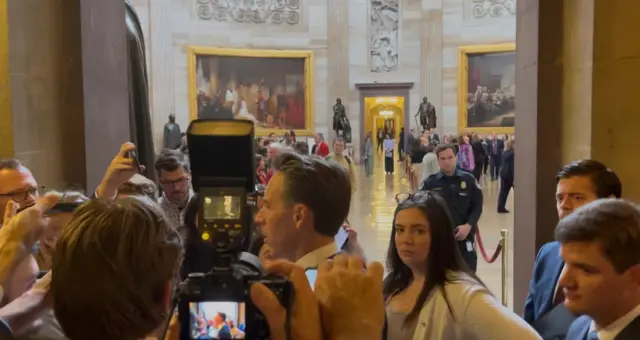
(300,212)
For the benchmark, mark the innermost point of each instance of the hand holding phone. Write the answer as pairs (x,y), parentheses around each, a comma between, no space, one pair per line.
(134,155)
(341,238)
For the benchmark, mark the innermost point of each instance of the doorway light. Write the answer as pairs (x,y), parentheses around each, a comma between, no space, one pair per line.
(386,113)
(386,100)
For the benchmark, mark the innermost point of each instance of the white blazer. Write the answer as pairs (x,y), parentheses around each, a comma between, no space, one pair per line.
(476,315)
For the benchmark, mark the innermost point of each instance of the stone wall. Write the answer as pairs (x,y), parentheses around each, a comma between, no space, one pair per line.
(174,25)
(342,34)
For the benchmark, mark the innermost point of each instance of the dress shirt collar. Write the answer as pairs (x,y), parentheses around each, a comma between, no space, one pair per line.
(165,200)
(314,258)
(611,331)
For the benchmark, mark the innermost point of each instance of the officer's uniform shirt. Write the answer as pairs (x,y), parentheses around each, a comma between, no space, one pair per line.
(463,195)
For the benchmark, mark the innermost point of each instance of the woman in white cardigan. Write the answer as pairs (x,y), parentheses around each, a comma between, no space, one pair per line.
(431,294)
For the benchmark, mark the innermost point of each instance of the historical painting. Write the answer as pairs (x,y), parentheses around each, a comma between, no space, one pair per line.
(488,88)
(268,87)
(384,25)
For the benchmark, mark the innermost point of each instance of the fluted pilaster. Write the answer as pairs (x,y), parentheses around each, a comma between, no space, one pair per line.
(338,62)
(431,48)
(160,47)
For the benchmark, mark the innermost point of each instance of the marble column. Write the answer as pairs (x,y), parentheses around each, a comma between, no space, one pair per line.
(45,92)
(105,84)
(69,100)
(576,73)
(338,66)
(162,68)
(538,130)
(431,50)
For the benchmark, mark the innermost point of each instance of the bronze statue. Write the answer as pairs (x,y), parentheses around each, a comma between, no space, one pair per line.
(341,124)
(427,113)
(172,134)
(139,111)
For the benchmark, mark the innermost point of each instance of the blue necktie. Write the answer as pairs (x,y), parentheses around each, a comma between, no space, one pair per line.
(592,335)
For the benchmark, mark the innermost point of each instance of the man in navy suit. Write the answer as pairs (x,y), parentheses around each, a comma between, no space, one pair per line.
(578,183)
(305,204)
(600,244)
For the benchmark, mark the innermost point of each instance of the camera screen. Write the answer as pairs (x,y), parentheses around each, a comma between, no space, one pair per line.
(217,320)
(222,207)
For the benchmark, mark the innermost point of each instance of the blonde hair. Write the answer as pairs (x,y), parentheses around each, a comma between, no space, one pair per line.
(139,185)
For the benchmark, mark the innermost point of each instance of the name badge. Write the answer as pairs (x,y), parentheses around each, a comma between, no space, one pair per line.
(469,246)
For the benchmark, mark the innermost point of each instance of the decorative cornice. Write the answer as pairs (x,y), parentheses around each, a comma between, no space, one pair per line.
(386,86)
(255,12)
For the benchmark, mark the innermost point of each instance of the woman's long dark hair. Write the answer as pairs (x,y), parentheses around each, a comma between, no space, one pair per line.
(444,256)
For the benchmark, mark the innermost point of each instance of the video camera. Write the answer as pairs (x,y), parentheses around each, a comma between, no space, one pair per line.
(223,174)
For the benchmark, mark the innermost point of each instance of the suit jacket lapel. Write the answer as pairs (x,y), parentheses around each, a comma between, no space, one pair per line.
(631,332)
(557,270)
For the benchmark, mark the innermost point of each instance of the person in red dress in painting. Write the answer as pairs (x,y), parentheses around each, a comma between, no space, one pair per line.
(261,173)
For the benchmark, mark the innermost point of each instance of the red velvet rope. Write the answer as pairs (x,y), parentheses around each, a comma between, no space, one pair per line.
(496,253)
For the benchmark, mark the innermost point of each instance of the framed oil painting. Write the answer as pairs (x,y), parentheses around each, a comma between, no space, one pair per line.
(487,88)
(273,88)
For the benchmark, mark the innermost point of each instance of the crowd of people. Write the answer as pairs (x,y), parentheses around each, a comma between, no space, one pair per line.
(110,262)
(491,156)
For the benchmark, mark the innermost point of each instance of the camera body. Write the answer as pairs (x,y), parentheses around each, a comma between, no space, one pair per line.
(221,291)
(223,174)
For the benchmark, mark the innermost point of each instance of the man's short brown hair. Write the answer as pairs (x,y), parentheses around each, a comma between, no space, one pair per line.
(613,223)
(112,266)
(444,147)
(323,186)
(171,160)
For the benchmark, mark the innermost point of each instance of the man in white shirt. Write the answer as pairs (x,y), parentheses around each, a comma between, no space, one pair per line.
(600,245)
(305,203)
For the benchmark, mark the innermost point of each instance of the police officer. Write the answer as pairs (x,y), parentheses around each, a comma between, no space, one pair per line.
(463,196)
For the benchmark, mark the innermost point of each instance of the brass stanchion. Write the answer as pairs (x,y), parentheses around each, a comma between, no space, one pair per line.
(504,240)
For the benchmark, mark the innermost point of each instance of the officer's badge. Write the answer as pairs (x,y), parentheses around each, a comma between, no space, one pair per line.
(463,185)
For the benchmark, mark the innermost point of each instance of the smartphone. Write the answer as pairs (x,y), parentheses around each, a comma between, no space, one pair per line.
(341,238)
(134,155)
(311,274)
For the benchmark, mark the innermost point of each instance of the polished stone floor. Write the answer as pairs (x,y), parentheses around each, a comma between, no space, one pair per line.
(372,215)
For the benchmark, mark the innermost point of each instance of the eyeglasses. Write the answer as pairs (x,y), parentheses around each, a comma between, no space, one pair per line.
(177,182)
(418,197)
(23,195)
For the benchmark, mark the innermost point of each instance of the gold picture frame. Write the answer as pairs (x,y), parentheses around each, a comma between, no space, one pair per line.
(464,52)
(306,55)
(6,118)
